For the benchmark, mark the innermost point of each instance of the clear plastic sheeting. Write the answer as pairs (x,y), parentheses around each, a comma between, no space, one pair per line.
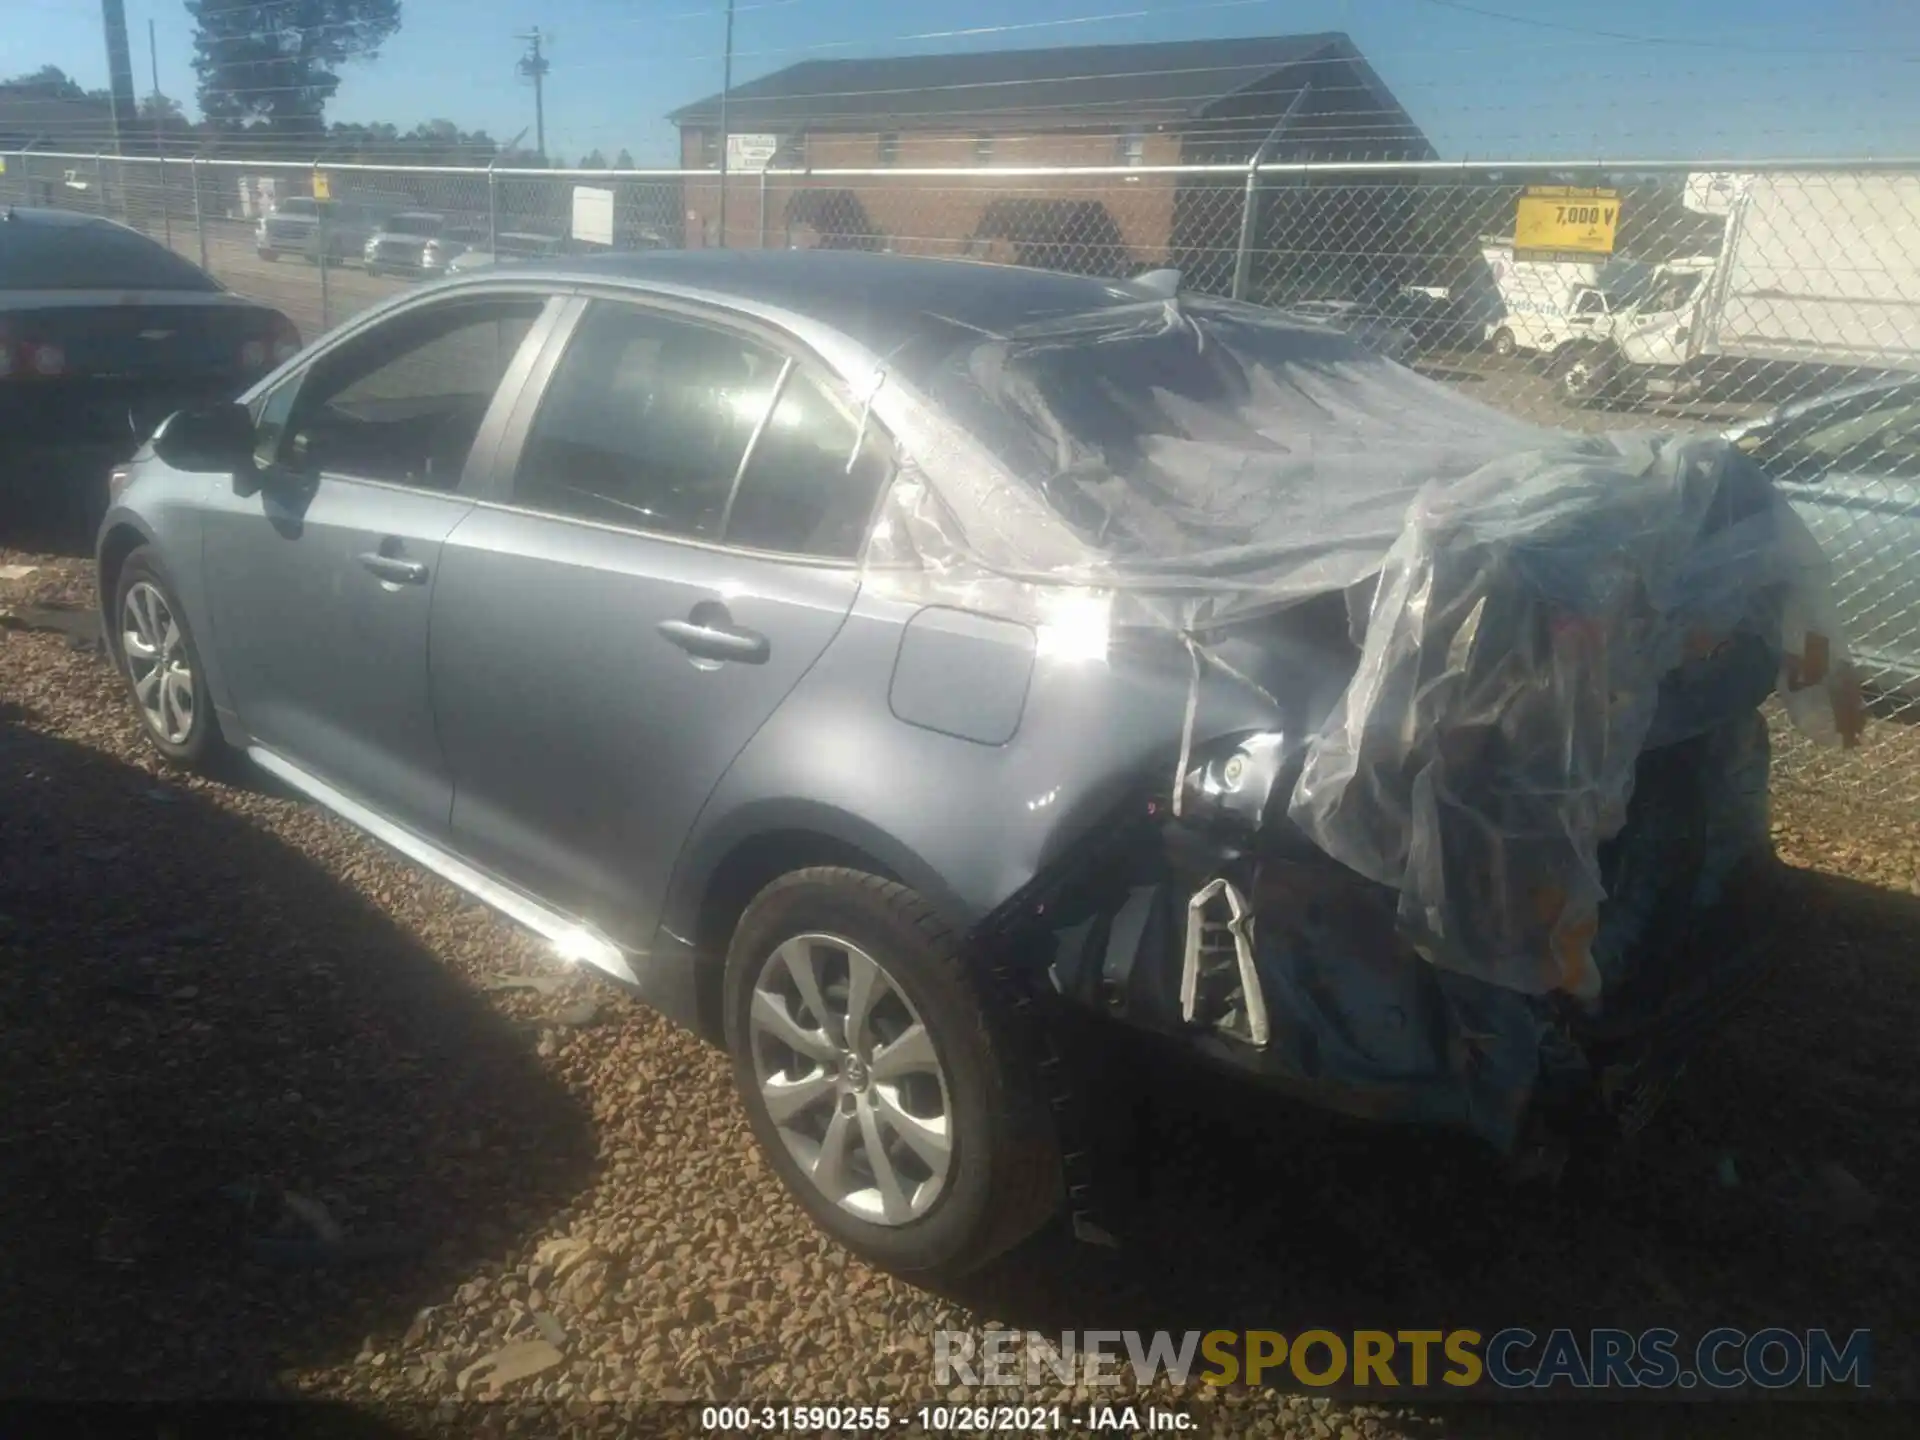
(1534,595)
(1520,639)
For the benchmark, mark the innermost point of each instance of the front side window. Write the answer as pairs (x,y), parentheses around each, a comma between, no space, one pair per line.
(404,403)
(645,422)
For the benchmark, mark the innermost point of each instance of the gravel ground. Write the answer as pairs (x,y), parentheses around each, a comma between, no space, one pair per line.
(231,1025)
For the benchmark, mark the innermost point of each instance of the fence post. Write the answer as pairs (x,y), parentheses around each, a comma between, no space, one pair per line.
(1250,205)
(322,240)
(493,212)
(99,185)
(199,220)
(763,209)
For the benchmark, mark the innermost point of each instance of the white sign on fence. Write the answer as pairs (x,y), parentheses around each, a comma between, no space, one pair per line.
(1712,192)
(751,152)
(593,215)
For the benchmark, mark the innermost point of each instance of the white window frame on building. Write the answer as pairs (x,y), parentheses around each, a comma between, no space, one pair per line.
(1132,148)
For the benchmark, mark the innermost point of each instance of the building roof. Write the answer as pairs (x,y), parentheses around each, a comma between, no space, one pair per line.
(1144,85)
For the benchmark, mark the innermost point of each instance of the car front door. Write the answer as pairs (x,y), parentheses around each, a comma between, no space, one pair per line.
(1852,473)
(321,562)
(673,546)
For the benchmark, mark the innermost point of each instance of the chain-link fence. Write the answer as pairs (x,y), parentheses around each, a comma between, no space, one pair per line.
(1777,302)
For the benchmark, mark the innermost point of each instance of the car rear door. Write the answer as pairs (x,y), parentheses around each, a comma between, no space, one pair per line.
(671,546)
(321,567)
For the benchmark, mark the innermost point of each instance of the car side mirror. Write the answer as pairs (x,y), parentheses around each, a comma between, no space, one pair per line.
(217,440)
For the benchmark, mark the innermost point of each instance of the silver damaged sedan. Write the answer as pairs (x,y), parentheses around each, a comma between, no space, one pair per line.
(888,665)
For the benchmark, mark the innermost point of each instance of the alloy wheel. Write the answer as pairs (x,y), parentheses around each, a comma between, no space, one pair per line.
(156,655)
(851,1080)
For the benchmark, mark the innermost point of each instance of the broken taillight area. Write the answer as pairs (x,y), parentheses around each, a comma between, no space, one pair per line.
(1223,927)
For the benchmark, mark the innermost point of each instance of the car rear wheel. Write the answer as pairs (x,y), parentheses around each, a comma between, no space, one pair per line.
(268,254)
(1504,344)
(156,655)
(885,1085)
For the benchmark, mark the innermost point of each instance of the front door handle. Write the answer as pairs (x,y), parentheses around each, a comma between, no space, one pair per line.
(393,569)
(717,642)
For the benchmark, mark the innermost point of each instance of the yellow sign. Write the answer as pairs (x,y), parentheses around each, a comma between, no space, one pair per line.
(3,164)
(322,189)
(1566,218)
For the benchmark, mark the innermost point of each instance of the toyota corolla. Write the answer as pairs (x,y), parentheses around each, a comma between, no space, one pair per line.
(871,661)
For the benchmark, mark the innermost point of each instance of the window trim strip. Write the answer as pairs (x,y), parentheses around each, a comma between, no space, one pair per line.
(753,443)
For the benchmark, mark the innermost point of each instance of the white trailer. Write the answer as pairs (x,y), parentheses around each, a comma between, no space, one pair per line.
(1815,269)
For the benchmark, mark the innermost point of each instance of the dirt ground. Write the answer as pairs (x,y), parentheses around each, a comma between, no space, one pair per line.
(213,997)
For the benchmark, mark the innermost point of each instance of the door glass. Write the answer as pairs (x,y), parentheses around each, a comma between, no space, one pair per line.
(404,402)
(799,494)
(645,422)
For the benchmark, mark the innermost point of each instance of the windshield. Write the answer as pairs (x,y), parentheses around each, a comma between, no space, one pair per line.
(415,225)
(93,256)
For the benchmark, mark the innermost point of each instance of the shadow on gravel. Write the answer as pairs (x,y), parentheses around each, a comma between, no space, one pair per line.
(247,1120)
(1771,1191)
(50,508)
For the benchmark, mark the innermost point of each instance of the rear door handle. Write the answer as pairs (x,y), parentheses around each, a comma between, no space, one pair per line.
(717,642)
(395,570)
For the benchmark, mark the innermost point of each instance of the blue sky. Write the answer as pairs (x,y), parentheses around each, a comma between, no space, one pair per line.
(1701,78)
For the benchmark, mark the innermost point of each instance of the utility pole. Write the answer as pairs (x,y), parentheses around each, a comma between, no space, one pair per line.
(726,89)
(113,15)
(159,137)
(534,65)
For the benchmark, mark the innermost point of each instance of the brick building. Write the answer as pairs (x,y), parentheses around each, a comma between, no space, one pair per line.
(1130,107)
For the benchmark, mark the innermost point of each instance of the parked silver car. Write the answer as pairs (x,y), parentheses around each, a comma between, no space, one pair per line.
(297,225)
(1849,462)
(418,243)
(873,660)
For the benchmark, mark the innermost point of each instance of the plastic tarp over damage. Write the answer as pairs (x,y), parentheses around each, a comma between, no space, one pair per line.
(1525,593)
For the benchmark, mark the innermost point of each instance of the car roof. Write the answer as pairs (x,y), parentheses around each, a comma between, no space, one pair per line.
(885,303)
(37,215)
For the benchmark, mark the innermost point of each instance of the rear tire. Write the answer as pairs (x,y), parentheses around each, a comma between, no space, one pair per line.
(1504,345)
(268,254)
(919,1056)
(154,651)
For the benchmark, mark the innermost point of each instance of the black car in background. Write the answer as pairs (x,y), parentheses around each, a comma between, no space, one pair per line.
(103,334)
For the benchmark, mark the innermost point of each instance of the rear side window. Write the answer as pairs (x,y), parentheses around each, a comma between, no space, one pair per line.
(649,417)
(95,256)
(645,422)
(805,490)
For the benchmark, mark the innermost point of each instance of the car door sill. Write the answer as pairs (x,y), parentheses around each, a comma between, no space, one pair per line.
(571,940)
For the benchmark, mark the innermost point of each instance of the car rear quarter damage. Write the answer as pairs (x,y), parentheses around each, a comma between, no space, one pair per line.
(1450,810)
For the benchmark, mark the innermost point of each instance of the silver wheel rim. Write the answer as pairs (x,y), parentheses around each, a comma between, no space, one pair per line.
(156,651)
(850,1078)
(1579,378)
